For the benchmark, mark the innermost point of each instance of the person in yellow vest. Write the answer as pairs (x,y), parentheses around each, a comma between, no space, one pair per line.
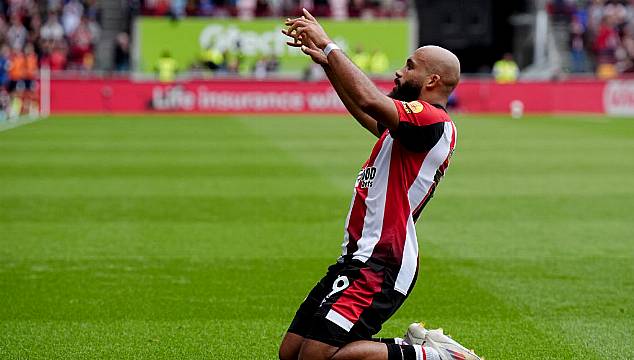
(166,67)
(211,58)
(506,70)
(361,58)
(379,63)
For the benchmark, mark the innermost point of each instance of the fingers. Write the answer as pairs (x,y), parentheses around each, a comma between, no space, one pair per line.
(296,32)
(310,43)
(310,52)
(308,15)
(297,23)
(295,37)
(290,21)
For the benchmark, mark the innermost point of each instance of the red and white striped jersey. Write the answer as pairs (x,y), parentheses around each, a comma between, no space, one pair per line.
(394,186)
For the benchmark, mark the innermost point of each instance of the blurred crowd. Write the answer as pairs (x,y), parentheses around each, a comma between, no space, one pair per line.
(61,34)
(601,34)
(247,9)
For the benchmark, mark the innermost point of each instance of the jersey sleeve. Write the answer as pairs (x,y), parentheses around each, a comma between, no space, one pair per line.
(419,127)
(416,112)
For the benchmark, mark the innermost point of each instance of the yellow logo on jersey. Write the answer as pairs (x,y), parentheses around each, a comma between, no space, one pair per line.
(415,106)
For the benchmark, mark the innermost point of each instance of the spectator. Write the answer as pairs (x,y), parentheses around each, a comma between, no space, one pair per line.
(233,60)
(604,29)
(577,46)
(594,16)
(82,42)
(156,7)
(379,62)
(5,54)
(31,70)
(54,5)
(34,26)
(4,27)
(605,46)
(206,8)
(17,34)
(17,74)
(56,58)
(506,70)
(361,58)
(92,11)
(21,8)
(272,64)
(177,9)
(339,9)
(17,70)
(259,68)
(122,52)
(5,103)
(262,8)
(211,58)
(71,16)
(166,67)
(246,9)
(52,30)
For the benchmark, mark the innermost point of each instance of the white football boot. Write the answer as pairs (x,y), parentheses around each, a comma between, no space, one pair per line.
(447,348)
(416,333)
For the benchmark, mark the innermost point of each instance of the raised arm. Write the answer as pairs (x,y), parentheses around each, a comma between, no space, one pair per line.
(318,56)
(360,91)
(363,118)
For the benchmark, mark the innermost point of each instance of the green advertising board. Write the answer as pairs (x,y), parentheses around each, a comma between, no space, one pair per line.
(187,38)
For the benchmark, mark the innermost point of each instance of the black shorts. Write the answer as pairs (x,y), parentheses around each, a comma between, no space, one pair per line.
(17,85)
(30,84)
(350,303)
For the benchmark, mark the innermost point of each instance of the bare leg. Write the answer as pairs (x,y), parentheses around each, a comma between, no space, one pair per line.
(358,350)
(289,349)
(316,350)
(362,350)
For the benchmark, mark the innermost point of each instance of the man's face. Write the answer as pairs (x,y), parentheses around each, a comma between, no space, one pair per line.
(408,83)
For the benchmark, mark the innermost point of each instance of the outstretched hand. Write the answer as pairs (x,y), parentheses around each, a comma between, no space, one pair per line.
(309,48)
(308,35)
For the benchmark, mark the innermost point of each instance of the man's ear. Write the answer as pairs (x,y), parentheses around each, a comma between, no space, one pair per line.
(432,80)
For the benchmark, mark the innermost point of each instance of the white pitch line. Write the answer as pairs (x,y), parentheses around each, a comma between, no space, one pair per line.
(13,125)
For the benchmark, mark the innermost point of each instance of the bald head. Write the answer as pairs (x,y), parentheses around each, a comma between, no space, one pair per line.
(442,62)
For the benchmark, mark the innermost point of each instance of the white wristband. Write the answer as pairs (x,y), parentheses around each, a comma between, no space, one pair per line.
(330,47)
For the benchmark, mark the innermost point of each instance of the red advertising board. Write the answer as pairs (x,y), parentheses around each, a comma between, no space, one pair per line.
(276,96)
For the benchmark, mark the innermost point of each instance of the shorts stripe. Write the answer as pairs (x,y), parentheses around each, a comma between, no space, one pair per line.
(339,320)
(359,296)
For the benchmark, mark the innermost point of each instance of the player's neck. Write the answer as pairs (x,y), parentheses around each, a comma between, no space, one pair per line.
(434,99)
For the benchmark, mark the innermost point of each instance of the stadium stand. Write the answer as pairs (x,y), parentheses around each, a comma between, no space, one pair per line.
(601,35)
(247,9)
(87,35)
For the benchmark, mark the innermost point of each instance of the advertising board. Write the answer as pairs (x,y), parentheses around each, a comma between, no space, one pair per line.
(185,40)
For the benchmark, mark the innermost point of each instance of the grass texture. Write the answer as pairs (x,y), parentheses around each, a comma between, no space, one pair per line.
(175,237)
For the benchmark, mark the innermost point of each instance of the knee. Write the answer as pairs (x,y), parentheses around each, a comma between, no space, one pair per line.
(314,350)
(285,353)
(289,349)
(361,350)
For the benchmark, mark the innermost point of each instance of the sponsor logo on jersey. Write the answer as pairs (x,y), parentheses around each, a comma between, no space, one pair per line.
(415,107)
(365,179)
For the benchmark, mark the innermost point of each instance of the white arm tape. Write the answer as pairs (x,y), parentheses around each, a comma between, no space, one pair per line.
(330,47)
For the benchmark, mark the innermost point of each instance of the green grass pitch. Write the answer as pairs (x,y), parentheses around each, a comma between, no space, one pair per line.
(175,237)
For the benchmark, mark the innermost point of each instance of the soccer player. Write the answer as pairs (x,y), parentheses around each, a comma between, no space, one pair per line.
(379,264)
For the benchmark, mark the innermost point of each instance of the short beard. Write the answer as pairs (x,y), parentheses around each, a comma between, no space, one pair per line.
(405,92)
